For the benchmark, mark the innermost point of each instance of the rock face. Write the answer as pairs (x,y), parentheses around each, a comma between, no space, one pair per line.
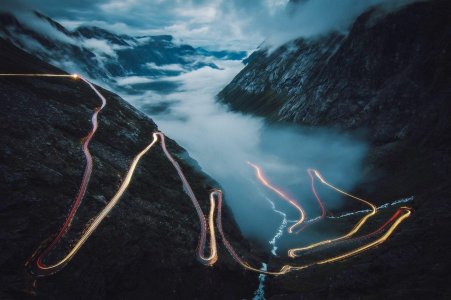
(390,74)
(146,248)
(389,79)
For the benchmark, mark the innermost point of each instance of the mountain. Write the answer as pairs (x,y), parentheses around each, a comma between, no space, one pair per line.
(388,81)
(103,55)
(146,247)
(387,70)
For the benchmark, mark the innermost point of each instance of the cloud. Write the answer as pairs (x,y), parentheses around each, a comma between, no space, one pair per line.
(215,24)
(130,80)
(169,67)
(118,5)
(223,141)
(281,21)
(197,22)
(29,19)
(100,47)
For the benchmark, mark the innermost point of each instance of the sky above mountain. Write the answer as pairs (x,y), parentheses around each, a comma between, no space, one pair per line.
(225,24)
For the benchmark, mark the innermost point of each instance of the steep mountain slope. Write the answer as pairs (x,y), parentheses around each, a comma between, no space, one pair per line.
(390,74)
(146,247)
(389,81)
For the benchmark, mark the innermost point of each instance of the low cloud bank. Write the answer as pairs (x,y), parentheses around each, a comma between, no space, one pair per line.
(223,141)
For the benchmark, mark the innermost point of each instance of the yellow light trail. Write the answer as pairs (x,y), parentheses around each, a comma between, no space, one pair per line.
(74,76)
(213,257)
(402,214)
(86,174)
(288,268)
(406,213)
(293,252)
(262,178)
(99,218)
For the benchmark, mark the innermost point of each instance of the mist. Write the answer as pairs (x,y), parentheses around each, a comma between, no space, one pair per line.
(281,21)
(222,142)
(214,24)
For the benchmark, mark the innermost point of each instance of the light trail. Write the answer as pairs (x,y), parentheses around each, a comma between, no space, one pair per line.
(74,76)
(318,200)
(288,268)
(262,178)
(45,269)
(364,237)
(383,206)
(99,218)
(293,252)
(405,212)
(88,168)
(312,184)
(359,212)
(86,176)
(213,257)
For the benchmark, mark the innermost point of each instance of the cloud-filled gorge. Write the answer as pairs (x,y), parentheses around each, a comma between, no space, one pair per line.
(306,152)
(223,141)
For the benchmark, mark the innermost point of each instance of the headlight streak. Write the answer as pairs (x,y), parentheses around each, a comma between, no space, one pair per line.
(318,200)
(288,268)
(293,252)
(265,182)
(213,257)
(394,217)
(73,76)
(312,172)
(406,212)
(85,180)
(86,174)
(44,269)
(99,218)
(359,212)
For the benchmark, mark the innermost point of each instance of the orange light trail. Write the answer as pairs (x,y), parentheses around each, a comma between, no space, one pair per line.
(99,218)
(293,252)
(288,268)
(85,180)
(318,200)
(406,212)
(45,269)
(395,216)
(88,168)
(213,257)
(262,178)
(74,76)
(312,184)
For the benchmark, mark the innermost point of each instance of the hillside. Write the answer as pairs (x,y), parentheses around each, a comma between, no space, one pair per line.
(146,248)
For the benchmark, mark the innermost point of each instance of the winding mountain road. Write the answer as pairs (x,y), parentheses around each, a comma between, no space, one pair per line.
(39,267)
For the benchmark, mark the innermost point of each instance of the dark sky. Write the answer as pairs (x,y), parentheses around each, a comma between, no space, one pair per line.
(238,24)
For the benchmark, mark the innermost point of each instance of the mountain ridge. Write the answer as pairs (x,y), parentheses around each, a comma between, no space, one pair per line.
(102,54)
(389,82)
(352,81)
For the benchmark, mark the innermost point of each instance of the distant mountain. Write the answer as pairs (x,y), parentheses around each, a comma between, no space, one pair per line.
(104,55)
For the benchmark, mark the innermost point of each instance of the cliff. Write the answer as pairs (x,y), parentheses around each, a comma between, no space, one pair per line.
(390,75)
